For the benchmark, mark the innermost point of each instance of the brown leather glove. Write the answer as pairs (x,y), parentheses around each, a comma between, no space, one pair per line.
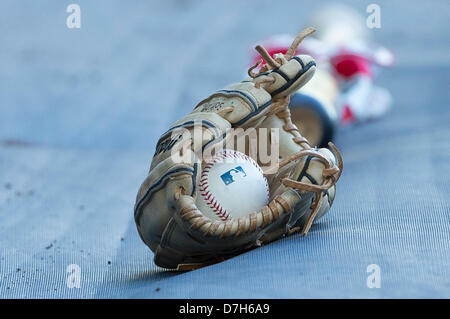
(302,183)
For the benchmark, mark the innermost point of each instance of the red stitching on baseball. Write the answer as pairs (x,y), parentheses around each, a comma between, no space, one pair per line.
(212,202)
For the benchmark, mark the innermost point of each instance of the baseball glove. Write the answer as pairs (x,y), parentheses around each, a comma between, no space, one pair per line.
(302,185)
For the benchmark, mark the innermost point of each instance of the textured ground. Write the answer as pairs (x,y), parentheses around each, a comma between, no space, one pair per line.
(80,111)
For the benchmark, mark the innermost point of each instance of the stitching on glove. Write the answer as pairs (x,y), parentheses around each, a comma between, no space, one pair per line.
(305,174)
(158,184)
(241,94)
(206,123)
(297,76)
(253,114)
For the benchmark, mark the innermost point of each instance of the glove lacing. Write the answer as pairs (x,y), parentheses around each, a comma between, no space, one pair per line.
(331,174)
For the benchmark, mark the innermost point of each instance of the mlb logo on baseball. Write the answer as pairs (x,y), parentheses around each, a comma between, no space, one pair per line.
(227,177)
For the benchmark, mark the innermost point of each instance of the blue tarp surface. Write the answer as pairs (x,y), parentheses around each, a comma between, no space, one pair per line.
(81,110)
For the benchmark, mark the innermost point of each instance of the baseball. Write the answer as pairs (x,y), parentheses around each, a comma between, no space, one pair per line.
(231,185)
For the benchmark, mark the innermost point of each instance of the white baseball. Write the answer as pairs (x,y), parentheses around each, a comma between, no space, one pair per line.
(231,185)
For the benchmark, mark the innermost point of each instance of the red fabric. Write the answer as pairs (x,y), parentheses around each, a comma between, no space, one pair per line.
(347,65)
(347,115)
